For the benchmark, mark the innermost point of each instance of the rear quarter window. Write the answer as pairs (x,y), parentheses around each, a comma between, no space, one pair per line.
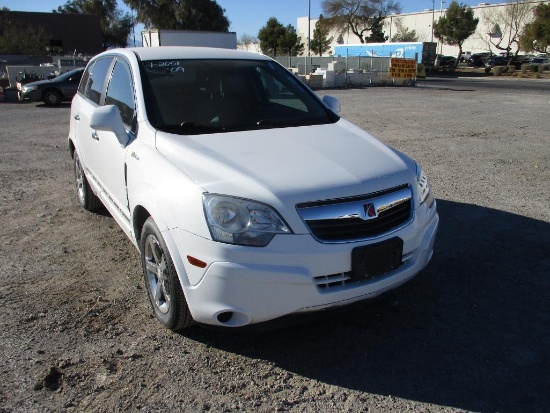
(84,80)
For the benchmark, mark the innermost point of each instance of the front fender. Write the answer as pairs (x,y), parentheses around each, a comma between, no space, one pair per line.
(170,197)
(158,189)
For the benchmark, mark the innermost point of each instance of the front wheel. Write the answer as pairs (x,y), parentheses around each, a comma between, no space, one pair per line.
(52,97)
(162,282)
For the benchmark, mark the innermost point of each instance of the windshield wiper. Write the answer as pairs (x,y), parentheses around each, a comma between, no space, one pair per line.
(286,123)
(191,128)
(278,123)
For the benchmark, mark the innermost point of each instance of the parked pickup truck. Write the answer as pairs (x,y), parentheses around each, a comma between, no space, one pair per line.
(248,197)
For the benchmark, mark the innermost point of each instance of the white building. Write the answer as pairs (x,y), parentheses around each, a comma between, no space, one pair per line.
(494,23)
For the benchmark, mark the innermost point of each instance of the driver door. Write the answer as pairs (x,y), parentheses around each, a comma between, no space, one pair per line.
(112,169)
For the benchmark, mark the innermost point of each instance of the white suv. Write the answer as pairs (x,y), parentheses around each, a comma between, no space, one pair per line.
(247,196)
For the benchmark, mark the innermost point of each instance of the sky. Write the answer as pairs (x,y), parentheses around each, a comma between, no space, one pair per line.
(248,16)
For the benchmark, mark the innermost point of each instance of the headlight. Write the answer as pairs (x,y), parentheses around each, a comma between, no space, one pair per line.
(242,221)
(29,88)
(423,187)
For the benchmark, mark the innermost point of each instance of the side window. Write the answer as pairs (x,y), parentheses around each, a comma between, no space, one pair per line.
(95,83)
(85,77)
(120,92)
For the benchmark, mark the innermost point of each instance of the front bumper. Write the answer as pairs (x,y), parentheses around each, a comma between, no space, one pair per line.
(245,285)
(32,95)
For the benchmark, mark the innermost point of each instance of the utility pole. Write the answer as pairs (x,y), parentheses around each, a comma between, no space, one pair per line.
(440,16)
(308,33)
(309,28)
(433,19)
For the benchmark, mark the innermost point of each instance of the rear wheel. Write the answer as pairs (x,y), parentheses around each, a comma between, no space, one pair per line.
(86,197)
(52,97)
(162,282)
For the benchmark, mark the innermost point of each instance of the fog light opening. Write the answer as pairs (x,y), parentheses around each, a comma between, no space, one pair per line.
(225,316)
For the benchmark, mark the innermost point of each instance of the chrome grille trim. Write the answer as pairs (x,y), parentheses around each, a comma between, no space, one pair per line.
(345,220)
(343,280)
(325,281)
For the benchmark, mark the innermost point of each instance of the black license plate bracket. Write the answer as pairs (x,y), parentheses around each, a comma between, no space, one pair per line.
(373,260)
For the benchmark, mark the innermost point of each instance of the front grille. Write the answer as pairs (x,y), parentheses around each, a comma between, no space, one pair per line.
(356,228)
(344,280)
(345,220)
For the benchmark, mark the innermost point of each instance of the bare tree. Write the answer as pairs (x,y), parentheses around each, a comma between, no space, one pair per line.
(505,25)
(245,41)
(361,17)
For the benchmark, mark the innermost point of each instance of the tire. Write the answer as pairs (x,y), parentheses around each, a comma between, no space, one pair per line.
(52,97)
(86,197)
(161,280)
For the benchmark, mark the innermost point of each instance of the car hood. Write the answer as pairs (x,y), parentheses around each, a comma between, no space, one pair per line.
(287,166)
(39,83)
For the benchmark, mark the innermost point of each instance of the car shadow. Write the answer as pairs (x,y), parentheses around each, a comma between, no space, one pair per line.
(471,332)
(62,105)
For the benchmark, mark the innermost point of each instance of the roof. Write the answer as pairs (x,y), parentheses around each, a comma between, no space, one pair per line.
(184,52)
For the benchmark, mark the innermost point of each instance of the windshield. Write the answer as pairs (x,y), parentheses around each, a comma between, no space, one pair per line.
(68,74)
(210,96)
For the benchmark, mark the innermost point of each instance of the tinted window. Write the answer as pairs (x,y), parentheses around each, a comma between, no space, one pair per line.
(119,92)
(277,92)
(96,80)
(210,96)
(85,77)
(70,76)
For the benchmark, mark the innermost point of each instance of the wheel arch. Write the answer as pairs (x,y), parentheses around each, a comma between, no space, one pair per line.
(72,148)
(140,215)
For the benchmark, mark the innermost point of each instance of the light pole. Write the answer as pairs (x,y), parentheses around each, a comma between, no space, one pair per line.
(309,28)
(433,19)
(440,16)
(308,34)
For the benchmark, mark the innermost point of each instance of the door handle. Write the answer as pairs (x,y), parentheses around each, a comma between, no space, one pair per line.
(95,135)
(77,117)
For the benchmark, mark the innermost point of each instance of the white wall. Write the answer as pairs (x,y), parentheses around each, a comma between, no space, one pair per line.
(251,47)
(421,22)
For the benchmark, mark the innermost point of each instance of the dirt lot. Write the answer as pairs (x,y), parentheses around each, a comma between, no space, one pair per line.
(471,333)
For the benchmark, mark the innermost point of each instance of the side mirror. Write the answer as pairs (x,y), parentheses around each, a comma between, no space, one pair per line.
(107,118)
(332,103)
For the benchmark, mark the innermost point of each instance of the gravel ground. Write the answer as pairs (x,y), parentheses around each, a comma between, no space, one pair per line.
(470,333)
